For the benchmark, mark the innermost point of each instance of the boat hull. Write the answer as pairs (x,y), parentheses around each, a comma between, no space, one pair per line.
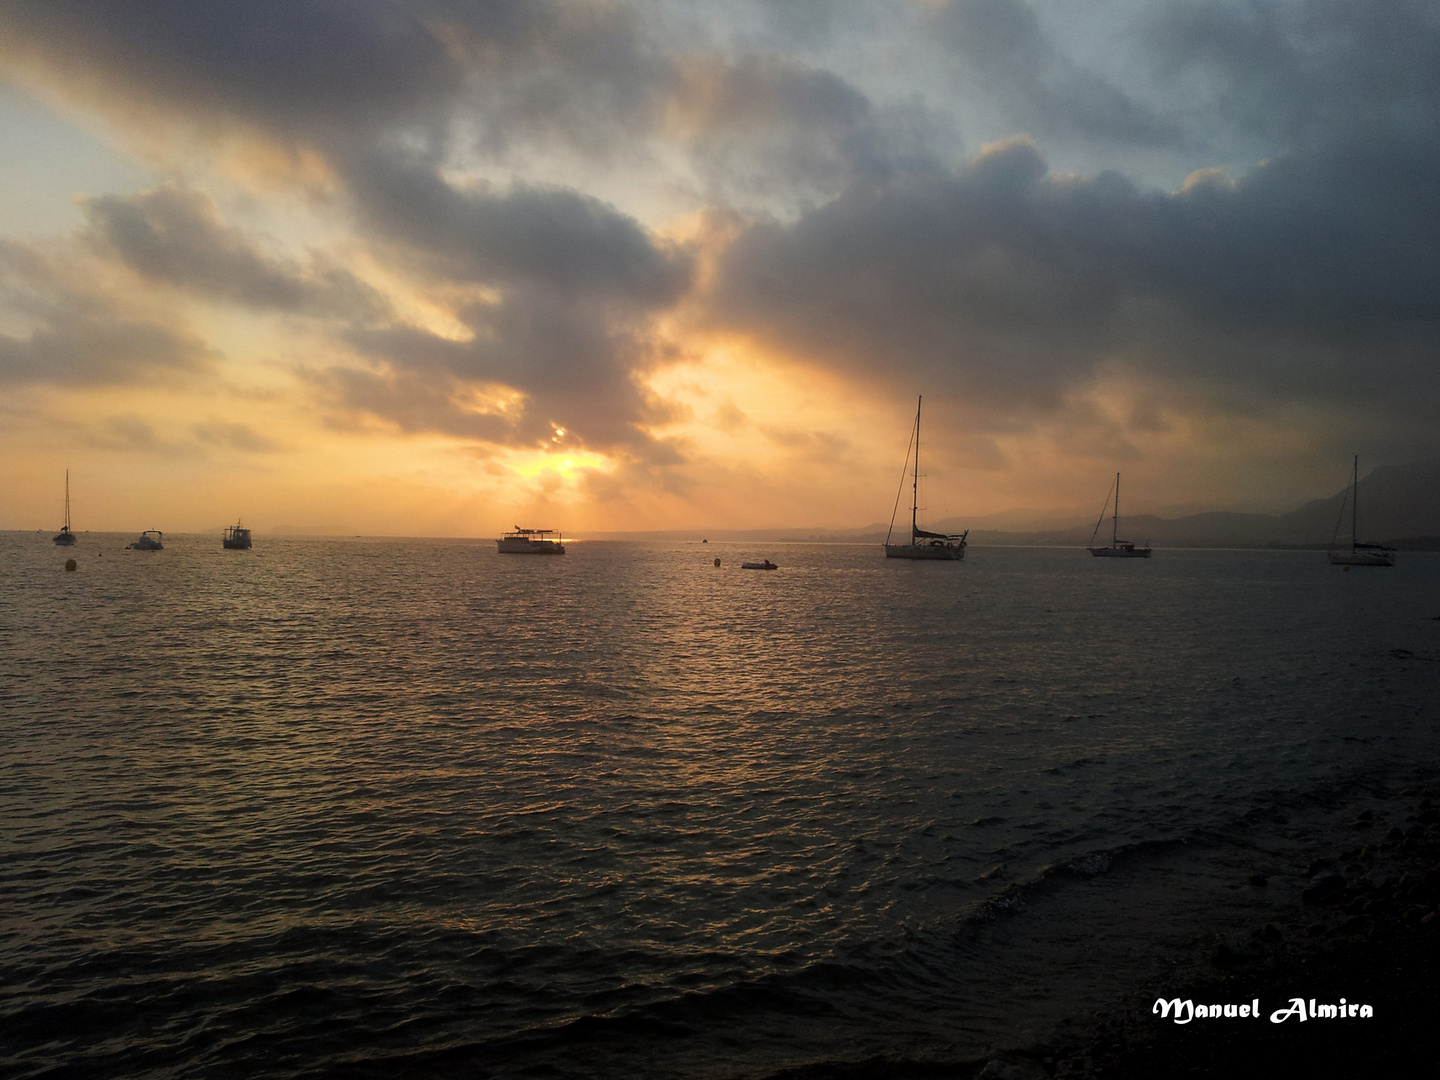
(1119,553)
(521,546)
(65,539)
(944,552)
(1362,558)
(236,545)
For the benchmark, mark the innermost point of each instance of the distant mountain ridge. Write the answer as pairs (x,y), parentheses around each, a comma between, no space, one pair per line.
(1399,505)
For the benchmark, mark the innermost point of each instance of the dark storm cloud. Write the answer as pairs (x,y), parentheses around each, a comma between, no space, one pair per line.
(383,92)
(296,66)
(1297,72)
(575,366)
(583,75)
(175,236)
(87,350)
(1009,282)
(554,237)
(1005,54)
(1314,277)
(767,127)
(334,73)
(79,336)
(574,282)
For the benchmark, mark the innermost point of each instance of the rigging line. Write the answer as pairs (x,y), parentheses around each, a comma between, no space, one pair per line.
(1344,502)
(1101,518)
(901,488)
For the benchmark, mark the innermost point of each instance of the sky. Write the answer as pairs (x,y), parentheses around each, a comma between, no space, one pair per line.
(444,267)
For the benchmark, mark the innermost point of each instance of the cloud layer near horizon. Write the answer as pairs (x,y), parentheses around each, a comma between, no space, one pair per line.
(1168,234)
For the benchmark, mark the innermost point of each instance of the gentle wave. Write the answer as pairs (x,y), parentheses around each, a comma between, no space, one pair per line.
(343,807)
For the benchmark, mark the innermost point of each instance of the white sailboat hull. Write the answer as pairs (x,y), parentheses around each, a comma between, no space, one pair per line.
(925,551)
(942,547)
(1362,558)
(1358,554)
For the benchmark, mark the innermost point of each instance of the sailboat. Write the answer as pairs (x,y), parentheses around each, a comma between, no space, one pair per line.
(66,538)
(1357,554)
(922,545)
(1117,549)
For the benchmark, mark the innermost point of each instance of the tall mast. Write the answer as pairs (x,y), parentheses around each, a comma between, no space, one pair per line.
(67,500)
(1115,521)
(1355,503)
(915,482)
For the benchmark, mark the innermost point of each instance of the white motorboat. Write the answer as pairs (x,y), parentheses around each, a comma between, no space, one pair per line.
(530,542)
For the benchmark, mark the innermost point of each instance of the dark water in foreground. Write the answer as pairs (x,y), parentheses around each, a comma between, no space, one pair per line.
(355,807)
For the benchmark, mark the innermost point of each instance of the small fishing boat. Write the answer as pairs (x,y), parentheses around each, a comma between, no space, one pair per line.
(531,542)
(1357,554)
(923,544)
(149,540)
(65,537)
(1117,549)
(765,565)
(237,538)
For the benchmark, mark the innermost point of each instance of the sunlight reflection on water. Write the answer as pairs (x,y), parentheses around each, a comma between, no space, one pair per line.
(326,801)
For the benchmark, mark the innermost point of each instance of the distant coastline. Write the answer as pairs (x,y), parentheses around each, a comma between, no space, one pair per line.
(1401,509)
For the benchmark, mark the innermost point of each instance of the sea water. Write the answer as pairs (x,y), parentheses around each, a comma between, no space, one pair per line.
(414,808)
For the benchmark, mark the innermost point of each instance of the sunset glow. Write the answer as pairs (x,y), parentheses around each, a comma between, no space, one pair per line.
(240,273)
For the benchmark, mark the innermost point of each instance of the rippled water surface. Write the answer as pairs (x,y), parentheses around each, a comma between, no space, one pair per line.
(410,807)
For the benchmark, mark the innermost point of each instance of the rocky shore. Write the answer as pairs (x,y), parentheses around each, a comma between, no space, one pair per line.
(1365,929)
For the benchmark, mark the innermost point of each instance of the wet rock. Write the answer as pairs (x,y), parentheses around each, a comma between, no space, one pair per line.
(1267,936)
(1226,957)
(1315,929)
(998,1069)
(1258,880)
(1395,835)
(1318,865)
(1324,887)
